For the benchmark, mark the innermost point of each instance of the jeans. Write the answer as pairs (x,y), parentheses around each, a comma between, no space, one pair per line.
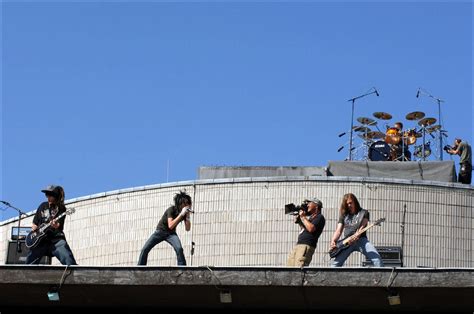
(157,237)
(365,247)
(55,247)
(465,173)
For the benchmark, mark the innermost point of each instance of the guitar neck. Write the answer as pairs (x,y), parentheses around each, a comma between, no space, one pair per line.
(370,225)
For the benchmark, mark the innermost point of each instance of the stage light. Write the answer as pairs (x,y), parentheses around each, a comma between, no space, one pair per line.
(53,294)
(226,296)
(393,297)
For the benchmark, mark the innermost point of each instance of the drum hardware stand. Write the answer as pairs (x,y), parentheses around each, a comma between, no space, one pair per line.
(367,145)
(20,213)
(352,116)
(402,156)
(344,145)
(438,138)
(439,101)
(423,147)
(405,138)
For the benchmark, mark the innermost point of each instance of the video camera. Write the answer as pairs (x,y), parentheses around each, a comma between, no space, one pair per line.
(294,210)
(447,148)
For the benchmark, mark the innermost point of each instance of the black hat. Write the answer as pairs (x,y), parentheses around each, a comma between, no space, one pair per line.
(52,189)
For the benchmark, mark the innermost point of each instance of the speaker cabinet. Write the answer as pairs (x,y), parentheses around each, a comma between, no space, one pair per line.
(391,256)
(15,257)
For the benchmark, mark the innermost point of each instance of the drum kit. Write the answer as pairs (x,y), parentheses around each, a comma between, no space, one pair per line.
(394,144)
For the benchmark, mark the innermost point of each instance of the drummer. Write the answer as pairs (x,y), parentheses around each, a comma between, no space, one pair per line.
(399,126)
(398,147)
(394,134)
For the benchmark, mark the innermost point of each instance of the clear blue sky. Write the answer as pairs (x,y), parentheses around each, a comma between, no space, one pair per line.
(103,96)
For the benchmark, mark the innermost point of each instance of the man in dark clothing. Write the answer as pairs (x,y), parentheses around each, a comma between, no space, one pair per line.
(463,149)
(166,228)
(53,243)
(312,224)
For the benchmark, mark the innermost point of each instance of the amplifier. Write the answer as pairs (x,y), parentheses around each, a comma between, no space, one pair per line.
(15,257)
(20,233)
(391,256)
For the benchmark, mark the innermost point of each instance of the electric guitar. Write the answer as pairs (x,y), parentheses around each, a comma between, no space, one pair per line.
(343,244)
(34,237)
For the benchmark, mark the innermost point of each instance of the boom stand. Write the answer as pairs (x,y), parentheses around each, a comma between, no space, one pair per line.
(402,227)
(20,213)
(352,118)
(440,130)
(438,100)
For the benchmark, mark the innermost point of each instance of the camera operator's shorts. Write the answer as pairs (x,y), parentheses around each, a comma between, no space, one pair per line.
(301,255)
(465,173)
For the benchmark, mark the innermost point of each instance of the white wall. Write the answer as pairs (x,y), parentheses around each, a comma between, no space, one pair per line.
(241,222)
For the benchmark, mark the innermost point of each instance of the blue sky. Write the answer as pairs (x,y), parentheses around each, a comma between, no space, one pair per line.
(104,96)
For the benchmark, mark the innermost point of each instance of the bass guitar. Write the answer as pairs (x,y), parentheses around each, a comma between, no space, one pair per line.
(343,244)
(34,237)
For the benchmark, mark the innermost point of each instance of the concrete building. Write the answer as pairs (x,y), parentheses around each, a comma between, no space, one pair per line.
(240,240)
(241,221)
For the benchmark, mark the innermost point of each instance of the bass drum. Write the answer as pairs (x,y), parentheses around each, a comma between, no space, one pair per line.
(379,151)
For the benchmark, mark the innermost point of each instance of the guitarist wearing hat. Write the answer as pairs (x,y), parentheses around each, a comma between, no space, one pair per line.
(53,241)
(353,221)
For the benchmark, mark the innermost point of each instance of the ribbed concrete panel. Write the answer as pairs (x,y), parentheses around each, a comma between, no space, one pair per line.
(241,222)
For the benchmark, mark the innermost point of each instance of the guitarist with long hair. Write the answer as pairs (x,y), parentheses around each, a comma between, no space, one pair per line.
(53,243)
(352,220)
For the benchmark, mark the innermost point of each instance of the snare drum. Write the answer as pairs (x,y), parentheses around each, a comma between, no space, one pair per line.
(392,136)
(379,151)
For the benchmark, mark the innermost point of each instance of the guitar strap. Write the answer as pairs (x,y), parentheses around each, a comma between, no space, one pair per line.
(53,212)
(361,217)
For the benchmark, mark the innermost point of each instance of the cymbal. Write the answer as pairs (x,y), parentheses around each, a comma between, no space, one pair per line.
(382,115)
(433,128)
(361,128)
(364,136)
(415,115)
(375,134)
(427,121)
(367,121)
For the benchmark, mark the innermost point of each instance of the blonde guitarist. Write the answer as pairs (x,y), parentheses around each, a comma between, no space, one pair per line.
(352,224)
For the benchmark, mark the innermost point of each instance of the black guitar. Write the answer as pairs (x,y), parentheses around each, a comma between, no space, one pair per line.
(34,237)
(343,244)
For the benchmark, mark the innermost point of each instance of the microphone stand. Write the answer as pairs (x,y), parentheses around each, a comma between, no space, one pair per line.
(402,227)
(439,101)
(20,213)
(352,118)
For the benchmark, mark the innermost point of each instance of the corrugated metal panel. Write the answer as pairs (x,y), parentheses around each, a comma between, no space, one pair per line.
(242,223)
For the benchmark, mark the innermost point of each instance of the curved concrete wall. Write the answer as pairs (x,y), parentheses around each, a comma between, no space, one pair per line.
(241,222)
